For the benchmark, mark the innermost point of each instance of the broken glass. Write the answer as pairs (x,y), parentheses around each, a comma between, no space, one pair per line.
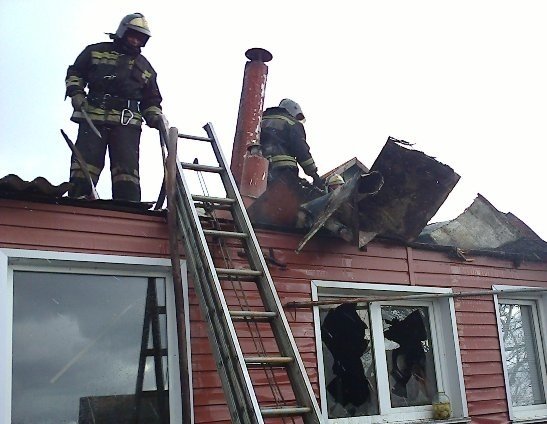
(350,373)
(409,355)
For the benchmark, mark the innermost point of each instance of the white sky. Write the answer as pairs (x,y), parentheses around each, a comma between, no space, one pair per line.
(466,81)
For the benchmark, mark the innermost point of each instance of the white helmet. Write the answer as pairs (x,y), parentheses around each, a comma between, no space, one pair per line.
(293,108)
(134,21)
(334,181)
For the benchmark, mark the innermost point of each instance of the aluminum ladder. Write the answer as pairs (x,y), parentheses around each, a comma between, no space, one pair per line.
(235,367)
(151,327)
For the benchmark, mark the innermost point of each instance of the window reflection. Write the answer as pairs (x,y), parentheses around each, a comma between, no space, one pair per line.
(409,355)
(77,342)
(521,353)
(350,374)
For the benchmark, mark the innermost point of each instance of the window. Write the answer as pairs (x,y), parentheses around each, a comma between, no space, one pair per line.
(91,338)
(521,324)
(389,360)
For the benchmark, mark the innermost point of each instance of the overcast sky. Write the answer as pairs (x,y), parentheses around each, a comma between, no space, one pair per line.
(465,81)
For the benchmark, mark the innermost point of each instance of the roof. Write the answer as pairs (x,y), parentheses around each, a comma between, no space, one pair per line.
(480,230)
(348,169)
(398,196)
(483,227)
(41,190)
(40,186)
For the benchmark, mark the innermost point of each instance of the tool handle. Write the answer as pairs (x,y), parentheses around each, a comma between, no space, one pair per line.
(83,164)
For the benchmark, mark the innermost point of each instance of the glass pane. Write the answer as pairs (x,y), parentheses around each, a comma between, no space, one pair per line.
(409,355)
(521,354)
(350,375)
(77,343)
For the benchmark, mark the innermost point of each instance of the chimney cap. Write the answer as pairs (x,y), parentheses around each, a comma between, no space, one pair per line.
(258,54)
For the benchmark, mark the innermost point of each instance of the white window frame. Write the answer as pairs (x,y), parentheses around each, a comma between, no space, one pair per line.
(442,318)
(538,301)
(90,264)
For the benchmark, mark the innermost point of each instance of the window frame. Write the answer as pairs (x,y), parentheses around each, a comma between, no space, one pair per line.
(444,338)
(12,260)
(538,301)
(381,362)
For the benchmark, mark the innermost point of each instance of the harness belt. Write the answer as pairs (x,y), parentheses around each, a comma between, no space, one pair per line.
(109,101)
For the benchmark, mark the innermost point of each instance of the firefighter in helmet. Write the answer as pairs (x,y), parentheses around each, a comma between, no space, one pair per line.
(333,182)
(112,87)
(283,141)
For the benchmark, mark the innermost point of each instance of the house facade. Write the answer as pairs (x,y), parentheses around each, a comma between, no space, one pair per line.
(74,284)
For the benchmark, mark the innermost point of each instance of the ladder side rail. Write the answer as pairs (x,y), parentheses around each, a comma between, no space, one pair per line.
(209,270)
(142,360)
(234,389)
(157,347)
(284,337)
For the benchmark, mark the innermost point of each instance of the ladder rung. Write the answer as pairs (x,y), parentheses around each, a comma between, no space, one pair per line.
(199,167)
(195,137)
(209,199)
(220,233)
(269,360)
(284,412)
(253,315)
(209,206)
(151,352)
(239,272)
(161,310)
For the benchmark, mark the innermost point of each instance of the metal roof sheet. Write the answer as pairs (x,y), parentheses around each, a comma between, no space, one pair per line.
(41,190)
(482,227)
(40,185)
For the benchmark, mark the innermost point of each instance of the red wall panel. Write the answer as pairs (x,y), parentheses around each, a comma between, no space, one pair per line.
(77,229)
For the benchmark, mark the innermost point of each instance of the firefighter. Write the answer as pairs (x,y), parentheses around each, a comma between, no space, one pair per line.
(333,182)
(121,91)
(283,141)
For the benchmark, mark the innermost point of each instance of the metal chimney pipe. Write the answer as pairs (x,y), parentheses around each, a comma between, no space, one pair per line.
(250,109)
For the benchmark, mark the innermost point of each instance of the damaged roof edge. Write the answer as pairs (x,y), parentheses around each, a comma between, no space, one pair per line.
(483,228)
(39,185)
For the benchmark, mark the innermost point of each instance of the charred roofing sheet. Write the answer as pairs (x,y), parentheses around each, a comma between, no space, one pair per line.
(40,185)
(41,190)
(482,227)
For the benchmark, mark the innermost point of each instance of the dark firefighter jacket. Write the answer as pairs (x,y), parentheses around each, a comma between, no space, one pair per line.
(122,86)
(283,141)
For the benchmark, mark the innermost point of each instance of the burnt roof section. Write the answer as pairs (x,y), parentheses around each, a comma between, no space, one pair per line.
(348,169)
(482,227)
(41,186)
(414,186)
(41,190)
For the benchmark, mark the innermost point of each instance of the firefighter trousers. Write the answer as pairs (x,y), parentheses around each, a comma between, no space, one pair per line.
(122,143)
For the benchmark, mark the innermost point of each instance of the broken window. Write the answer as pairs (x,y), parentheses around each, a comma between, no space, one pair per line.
(348,361)
(409,355)
(522,338)
(387,360)
(92,347)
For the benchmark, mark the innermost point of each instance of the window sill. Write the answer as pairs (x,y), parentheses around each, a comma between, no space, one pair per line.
(461,420)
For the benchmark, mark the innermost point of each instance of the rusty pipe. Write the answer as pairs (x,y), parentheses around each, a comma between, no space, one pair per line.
(250,109)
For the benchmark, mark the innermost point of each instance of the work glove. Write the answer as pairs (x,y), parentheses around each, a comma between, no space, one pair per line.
(318,182)
(78,101)
(154,121)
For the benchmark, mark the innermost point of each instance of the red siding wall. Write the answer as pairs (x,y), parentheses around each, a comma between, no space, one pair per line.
(52,227)
(41,226)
